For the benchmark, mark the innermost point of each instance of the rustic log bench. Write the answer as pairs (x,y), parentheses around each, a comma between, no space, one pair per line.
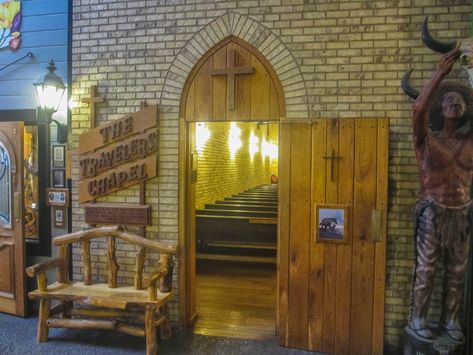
(82,304)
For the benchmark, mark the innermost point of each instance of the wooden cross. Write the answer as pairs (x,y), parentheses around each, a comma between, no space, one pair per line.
(332,157)
(92,100)
(231,71)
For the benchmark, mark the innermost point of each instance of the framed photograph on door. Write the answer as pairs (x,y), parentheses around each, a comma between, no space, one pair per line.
(332,223)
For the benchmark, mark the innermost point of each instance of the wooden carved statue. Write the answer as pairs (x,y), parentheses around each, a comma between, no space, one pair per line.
(443,142)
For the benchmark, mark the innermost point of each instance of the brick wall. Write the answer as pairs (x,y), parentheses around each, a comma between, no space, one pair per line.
(334,59)
(220,174)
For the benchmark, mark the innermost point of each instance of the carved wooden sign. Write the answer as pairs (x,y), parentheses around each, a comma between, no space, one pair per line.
(105,213)
(116,130)
(118,154)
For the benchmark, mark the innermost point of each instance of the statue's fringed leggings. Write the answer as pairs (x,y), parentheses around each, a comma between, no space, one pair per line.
(440,231)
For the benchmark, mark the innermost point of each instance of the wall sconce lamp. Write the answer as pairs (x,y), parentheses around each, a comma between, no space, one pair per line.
(50,91)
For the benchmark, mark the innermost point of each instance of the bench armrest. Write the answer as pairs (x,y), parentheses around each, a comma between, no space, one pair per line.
(32,271)
(151,282)
(39,270)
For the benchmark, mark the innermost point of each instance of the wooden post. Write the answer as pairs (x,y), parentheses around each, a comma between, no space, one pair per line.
(140,262)
(63,270)
(150,330)
(113,266)
(43,330)
(87,262)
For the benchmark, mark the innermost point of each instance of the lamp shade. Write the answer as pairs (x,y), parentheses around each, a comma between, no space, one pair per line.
(50,90)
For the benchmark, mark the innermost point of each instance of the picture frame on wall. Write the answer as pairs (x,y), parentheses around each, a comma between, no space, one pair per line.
(59,156)
(59,178)
(332,223)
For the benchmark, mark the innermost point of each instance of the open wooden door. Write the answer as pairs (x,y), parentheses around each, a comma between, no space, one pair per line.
(331,295)
(12,246)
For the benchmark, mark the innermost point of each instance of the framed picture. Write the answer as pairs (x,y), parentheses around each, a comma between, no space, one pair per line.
(59,155)
(59,178)
(332,223)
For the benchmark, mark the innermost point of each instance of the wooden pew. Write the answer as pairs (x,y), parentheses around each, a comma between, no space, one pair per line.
(236,212)
(236,230)
(233,206)
(242,223)
(230,200)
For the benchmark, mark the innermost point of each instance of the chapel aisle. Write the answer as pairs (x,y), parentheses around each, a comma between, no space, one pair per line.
(236,300)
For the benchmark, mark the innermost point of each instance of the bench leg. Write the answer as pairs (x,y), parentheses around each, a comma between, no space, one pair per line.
(165,326)
(43,330)
(150,330)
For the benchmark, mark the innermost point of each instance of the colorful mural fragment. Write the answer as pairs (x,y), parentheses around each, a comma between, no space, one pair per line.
(10,21)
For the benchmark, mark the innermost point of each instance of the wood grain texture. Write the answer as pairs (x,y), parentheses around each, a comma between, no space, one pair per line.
(219,86)
(299,237)
(380,247)
(232,83)
(344,251)
(203,93)
(284,232)
(317,250)
(332,188)
(363,248)
(140,121)
(236,300)
(85,252)
(113,266)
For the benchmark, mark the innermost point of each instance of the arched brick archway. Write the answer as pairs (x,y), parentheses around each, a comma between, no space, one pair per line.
(257,35)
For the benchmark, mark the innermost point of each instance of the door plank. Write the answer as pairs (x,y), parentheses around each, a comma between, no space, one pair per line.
(363,247)
(203,93)
(380,247)
(330,275)
(344,251)
(260,91)
(219,86)
(299,237)
(317,250)
(284,231)
(243,85)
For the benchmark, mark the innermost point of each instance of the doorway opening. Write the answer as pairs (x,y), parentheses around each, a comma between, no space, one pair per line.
(234,178)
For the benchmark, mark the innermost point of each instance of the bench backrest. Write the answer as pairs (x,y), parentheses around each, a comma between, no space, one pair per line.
(84,237)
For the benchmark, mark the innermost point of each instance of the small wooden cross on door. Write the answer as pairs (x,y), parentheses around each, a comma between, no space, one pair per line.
(92,100)
(231,71)
(332,157)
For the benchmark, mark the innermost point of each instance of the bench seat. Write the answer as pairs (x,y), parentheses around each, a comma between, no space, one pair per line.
(123,297)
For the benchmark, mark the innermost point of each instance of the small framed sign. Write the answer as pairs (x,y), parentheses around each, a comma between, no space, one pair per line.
(59,155)
(57,197)
(59,178)
(332,223)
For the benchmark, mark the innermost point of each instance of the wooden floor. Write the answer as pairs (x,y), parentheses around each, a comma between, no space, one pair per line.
(236,300)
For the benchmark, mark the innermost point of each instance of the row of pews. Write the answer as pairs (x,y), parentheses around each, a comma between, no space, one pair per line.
(241,227)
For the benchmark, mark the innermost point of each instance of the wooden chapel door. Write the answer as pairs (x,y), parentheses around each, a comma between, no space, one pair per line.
(12,246)
(331,295)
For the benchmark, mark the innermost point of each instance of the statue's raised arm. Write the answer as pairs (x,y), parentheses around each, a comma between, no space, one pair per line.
(420,118)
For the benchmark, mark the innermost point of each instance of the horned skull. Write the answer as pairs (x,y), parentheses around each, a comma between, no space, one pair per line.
(466,58)
(465,45)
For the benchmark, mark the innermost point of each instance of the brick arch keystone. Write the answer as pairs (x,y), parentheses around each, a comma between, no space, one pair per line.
(259,36)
